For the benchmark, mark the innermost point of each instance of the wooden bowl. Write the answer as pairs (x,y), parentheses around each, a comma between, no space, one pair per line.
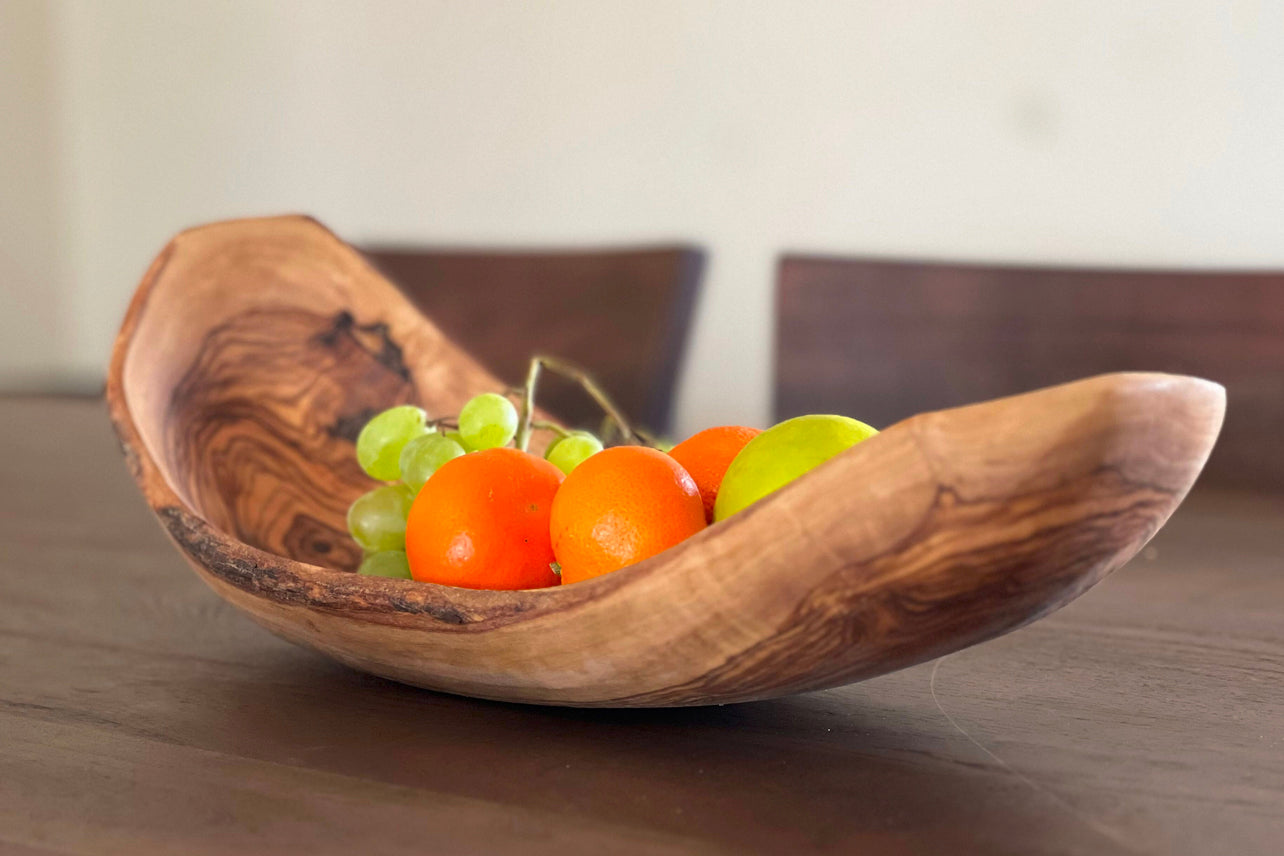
(254,350)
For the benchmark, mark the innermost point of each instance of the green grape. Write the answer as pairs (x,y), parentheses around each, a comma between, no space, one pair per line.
(569,452)
(380,443)
(488,421)
(459,438)
(377,520)
(386,563)
(423,455)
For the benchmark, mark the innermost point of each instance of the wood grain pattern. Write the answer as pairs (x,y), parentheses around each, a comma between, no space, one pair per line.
(140,713)
(622,314)
(883,340)
(943,531)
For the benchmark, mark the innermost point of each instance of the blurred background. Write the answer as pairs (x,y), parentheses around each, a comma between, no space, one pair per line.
(1091,134)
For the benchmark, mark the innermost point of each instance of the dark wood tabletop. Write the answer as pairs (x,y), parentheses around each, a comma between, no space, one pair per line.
(140,714)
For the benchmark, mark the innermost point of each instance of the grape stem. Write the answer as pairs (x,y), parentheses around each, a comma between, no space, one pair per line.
(647,437)
(540,425)
(573,372)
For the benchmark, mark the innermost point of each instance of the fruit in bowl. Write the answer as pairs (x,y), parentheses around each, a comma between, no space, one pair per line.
(470,507)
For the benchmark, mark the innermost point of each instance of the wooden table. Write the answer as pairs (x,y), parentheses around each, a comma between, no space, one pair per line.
(140,714)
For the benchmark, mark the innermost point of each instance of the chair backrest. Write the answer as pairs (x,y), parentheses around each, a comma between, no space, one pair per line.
(621,314)
(883,340)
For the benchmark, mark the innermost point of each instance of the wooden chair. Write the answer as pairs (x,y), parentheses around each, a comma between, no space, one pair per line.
(621,314)
(882,340)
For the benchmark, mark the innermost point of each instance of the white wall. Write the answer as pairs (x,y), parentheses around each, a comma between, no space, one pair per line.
(1102,132)
(34,271)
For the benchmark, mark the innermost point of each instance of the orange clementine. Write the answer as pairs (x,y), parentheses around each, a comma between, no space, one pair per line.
(707,455)
(621,506)
(482,521)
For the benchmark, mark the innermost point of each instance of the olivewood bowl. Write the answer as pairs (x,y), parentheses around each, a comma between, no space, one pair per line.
(254,350)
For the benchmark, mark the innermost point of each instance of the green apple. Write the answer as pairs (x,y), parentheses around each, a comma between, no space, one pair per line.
(781,454)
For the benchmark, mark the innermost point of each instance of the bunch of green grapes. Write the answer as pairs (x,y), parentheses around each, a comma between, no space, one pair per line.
(402,446)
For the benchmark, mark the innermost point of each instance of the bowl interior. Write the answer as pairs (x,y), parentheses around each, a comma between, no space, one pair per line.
(254,359)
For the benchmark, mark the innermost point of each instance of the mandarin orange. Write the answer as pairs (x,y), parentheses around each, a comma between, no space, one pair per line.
(482,521)
(707,455)
(621,506)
